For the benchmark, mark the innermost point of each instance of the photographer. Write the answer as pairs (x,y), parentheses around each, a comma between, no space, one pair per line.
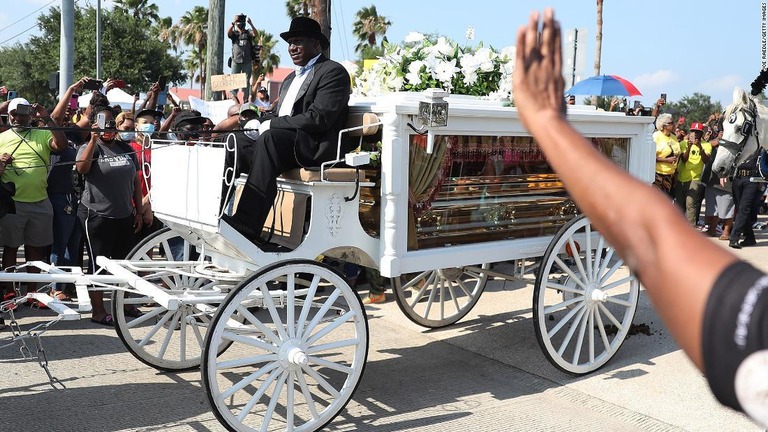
(242,50)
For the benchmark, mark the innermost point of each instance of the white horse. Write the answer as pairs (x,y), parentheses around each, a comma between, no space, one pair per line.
(745,130)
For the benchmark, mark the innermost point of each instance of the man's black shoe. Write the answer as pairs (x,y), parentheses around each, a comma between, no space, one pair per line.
(748,242)
(734,244)
(247,231)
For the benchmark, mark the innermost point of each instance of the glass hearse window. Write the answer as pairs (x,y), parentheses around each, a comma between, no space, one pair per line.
(486,188)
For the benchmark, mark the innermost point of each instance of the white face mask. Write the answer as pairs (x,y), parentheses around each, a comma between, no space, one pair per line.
(127,136)
(252,129)
(147,128)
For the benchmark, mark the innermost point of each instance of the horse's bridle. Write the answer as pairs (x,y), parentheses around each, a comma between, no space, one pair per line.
(747,129)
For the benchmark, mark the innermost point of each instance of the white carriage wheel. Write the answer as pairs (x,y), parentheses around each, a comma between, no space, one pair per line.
(294,364)
(584,302)
(163,339)
(441,297)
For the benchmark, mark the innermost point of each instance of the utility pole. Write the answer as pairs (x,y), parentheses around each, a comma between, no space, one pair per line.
(66,45)
(98,39)
(215,60)
(322,14)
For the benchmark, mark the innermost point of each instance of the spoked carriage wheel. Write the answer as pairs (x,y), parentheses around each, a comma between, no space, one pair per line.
(438,298)
(163,339)
(584,299)
(296,357)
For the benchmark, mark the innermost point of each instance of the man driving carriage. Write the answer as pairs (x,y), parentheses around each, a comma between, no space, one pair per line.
(303,132)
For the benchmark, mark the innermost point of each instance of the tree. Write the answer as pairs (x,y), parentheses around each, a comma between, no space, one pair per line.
(598,40)
(269,59)
(139,9)
(695,108)
(368,26)
(297,8)
(191,30)
(128,52)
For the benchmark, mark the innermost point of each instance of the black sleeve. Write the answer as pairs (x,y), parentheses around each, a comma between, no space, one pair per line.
(735,326)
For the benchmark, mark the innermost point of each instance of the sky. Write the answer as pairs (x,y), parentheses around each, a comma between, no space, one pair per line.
(673,47)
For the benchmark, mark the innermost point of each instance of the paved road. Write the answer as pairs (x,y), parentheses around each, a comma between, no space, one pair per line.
(485,373)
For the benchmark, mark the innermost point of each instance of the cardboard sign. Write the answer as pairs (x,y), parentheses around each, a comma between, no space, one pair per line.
(214,110)
(228,82)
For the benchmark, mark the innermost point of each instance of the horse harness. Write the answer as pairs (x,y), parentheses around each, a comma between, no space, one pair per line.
(747,129)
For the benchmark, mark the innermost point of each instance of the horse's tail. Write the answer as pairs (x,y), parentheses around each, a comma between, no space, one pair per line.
(758,85)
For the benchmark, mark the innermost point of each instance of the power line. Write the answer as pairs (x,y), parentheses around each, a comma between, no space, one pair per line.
(28,15)
(343,37)
(17,35)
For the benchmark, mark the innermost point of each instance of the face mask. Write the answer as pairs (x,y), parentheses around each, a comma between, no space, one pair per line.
(146,128)
(251,129)
(127,136)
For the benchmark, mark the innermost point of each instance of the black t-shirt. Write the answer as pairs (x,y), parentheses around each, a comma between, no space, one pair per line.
(242,44)
(735,340)
(61,176)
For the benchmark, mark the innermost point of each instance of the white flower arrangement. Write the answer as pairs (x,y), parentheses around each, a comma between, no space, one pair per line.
(423,62)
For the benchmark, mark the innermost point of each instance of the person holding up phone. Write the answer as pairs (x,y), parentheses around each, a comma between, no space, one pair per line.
(242,47)
(111,208)
(30,149)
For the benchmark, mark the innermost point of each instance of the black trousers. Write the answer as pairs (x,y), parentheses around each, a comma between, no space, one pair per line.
(110,237)
(746,198)
(264,159)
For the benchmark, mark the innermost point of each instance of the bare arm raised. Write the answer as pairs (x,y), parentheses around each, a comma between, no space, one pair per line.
(613,199)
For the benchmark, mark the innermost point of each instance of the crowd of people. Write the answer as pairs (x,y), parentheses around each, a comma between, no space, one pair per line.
(78,181)
(684,172)
(81,179)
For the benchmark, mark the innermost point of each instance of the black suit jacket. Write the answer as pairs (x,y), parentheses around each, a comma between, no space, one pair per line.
(319,112)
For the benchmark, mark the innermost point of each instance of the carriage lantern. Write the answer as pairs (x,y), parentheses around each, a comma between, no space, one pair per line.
(433,112)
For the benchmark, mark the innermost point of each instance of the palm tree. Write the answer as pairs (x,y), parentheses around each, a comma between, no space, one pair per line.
(191,30)
(368,26)
(297,8)
(269,60)
(191,65)
(162,28)
(140,9)
(598,41)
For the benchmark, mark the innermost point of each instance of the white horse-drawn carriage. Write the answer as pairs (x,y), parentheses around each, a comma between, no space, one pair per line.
(282,338)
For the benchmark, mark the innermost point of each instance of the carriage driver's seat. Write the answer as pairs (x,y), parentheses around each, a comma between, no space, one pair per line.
(286,222)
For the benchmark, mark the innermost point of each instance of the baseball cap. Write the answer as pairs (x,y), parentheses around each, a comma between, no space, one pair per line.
(15,102)
(153,113)
(262,89)
(249,107)
(187,116)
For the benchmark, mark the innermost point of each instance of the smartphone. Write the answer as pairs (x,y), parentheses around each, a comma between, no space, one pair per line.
(664,97)
(162,98)
(25,110)
(636,105)
(74,102)
(161,81)
(12,94)
(101,120)
(93,84)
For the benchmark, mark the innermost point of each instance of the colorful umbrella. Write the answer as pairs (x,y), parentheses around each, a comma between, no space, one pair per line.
(604,85)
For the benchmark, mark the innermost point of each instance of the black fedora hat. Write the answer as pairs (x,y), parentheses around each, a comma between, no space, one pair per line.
(306,27)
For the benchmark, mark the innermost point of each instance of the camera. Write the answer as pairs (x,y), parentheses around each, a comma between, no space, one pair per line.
(93,84)
(24,110)
(240,21)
